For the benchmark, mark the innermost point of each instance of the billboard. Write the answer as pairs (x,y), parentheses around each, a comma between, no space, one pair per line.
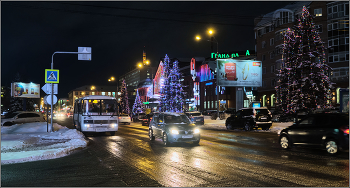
(25,90)
(239,73)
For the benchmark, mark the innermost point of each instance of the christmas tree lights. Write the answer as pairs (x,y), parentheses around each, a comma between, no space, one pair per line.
(303,82)
(124,100)
(138,106)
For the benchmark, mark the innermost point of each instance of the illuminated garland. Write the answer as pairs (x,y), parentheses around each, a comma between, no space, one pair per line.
(303,82)
(124,100)
(138,106)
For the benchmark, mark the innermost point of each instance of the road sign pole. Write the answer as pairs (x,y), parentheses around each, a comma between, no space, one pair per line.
(81,50)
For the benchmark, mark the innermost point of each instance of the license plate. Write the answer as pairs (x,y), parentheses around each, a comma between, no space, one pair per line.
(263,118)
(198,120)
(187,136)
(100,129)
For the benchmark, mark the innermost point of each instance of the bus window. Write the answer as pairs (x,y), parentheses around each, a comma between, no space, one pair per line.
(108,107)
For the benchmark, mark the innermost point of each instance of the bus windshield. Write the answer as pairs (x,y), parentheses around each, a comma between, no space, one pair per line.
(99,107)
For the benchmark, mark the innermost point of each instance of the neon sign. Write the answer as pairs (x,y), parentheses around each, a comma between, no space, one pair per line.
(223,56)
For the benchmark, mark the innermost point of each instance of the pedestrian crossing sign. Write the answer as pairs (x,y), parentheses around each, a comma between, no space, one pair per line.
(52,76)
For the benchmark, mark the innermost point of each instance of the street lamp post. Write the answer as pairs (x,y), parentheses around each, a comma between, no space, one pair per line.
(210,31)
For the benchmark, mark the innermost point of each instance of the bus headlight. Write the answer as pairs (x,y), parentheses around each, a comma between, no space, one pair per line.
(173,131)
(87,125)
(196,131)
(113,125)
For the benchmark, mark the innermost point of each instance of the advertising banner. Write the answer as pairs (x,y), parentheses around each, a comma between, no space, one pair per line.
(25,90)
(239,73)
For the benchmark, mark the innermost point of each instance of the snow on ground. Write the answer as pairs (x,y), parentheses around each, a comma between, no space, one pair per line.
(32,142)
(276,127)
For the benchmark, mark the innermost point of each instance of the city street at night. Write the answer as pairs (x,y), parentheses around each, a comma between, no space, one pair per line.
(223,158)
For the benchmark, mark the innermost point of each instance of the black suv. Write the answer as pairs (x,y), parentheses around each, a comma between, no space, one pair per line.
(330,130)
(250,118)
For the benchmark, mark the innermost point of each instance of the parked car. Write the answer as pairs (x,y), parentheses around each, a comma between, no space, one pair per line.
(21,117)
(147,119)
(208,112)
(330,130)
(250,118)
(173,128)
(124,118)
(69,114)
(196,117)
(138,117)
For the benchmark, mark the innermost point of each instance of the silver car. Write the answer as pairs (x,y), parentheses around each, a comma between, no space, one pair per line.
(21,117)
(173,128)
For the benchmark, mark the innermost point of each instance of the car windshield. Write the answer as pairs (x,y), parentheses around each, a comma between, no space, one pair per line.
(176,119)
(247,112)
(194,114)
(11,115)
(262,111)
(99,107)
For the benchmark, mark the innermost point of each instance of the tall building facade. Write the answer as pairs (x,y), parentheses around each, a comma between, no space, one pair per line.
(269,32)
(338,45)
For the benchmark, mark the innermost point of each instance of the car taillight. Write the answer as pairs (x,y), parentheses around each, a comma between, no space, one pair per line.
(120,117)
(345,129)
(150,118)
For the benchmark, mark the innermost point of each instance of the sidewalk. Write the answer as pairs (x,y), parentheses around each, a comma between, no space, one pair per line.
(32,142)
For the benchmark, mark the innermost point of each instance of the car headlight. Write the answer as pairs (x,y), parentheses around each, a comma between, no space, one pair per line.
(174,131)
(196,131)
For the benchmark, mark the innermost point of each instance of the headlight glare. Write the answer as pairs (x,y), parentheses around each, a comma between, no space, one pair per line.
(196,130)
(87,125)
(174,131)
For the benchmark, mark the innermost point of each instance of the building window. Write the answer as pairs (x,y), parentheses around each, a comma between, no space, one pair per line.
(347,57)
(272,55)
(272,42)
(263,57)
(87,93)
(93,93)
(76,93)
(273,82)
(103,93)
(330,59)
(318,12)
(264,70)
(109,93)
(319,28)
(263,44)
(272,68)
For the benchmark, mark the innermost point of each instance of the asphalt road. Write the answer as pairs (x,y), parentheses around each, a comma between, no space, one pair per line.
(222,159)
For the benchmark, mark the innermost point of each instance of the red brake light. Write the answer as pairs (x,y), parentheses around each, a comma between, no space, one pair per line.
(120,117)
(150,118)
(345,129)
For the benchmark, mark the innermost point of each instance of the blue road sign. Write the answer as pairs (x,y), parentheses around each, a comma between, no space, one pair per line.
(51,76)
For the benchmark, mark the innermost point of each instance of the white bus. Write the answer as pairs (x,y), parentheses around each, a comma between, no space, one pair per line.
(96,113)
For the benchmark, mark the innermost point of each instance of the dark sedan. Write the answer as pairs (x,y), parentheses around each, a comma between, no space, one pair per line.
(147,119)
(196,117)
(330,130)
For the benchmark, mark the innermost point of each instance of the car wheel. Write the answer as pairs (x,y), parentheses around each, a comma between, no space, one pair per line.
(112,133)
(228,126)
(8,124)
(331,147)
(196,142)
(247,127)
(150,134)
(165,140)
(266,128)
(284,142)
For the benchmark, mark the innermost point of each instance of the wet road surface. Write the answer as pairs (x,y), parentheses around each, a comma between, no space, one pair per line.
(222,159)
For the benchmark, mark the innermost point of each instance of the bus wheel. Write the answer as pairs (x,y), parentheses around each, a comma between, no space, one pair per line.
(112,133)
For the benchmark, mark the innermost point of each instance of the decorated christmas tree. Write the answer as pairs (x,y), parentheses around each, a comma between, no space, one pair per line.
(175,99)
(124,100)
(303,82)
(164,103)
(138,105)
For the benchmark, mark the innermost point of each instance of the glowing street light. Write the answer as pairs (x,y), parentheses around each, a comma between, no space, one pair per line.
(92,87)
(139,65)
(198,37)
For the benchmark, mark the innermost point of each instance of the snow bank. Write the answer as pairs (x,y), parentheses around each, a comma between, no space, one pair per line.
(31,142)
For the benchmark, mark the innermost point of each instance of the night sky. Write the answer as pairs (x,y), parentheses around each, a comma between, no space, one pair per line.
(117,32)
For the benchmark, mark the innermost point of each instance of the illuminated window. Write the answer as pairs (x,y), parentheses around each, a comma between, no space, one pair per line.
(318,12)
(103,93)
(109,93)
(93,93)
